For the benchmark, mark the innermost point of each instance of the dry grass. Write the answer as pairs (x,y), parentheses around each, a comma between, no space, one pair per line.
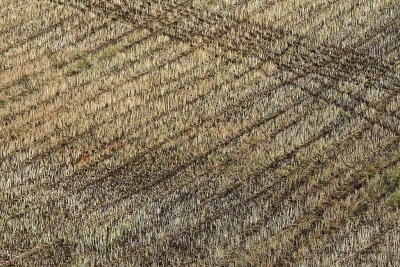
(199,133)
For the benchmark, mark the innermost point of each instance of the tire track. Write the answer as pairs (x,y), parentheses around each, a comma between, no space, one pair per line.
(314,95)
(138,27)
(220,35)
(175,136)
(249,98)
(195,160)
(317,209)
(37,34)
(207,76)
(98,95)
(134,28)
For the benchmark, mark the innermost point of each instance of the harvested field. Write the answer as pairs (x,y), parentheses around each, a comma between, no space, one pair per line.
(200,133)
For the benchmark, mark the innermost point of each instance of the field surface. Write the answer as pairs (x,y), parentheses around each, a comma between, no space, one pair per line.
(200,133)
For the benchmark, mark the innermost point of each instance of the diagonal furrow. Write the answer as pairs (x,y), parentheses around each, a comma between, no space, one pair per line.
(104,87)
(10,117)
(201,157)
(223,33)
(105,90)
(314,214)
(36,35)
(254,95)
(360,210)
(119,139)
(310,168)
(199,133)
(381,115)
(44,69)
(312,224)
(30,55)
(166,141)
(115,40)
(219,35)
(232,193)
(200,185)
